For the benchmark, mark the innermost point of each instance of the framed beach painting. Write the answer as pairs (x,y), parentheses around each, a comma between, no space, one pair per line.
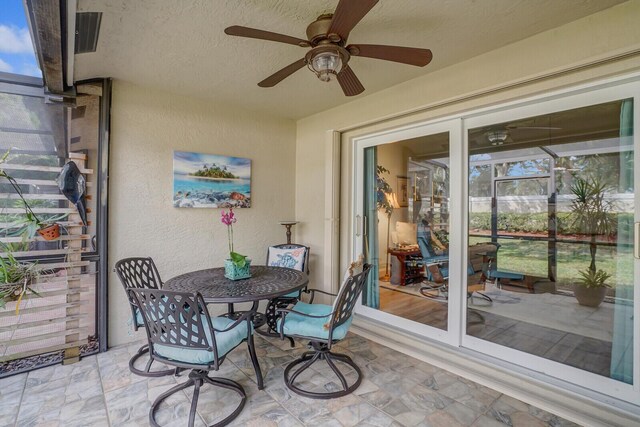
(402,191)
(211,181)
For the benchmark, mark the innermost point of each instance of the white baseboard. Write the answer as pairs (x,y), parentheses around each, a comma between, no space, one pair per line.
(571,402)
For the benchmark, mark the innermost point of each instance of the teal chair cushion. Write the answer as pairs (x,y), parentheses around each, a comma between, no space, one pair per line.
(296,324)
(139,319)
(294,294)
(497,274)
(225,342)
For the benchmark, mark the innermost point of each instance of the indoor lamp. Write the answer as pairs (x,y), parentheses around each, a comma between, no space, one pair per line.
(393,202)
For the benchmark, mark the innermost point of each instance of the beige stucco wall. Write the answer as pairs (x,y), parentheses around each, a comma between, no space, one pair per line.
(598,36)
(146,126)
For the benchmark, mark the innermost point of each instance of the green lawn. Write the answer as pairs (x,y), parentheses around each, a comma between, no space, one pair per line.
(530,257)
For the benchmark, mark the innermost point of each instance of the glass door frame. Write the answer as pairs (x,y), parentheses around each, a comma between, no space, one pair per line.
(451,335)
(604,90)
(544,366)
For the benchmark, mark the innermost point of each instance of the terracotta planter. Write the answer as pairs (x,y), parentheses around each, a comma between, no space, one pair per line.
(50,232)
(589,297)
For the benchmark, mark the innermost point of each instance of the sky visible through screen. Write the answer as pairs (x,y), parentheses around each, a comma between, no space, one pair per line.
(16,48)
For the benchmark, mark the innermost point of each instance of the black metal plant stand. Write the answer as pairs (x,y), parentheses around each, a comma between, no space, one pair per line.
(288,225)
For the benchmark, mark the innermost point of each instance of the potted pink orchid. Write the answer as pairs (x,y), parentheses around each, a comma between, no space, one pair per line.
(236,267)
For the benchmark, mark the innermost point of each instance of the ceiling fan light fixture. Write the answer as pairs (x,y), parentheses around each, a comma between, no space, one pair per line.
(497,137)
(326,63)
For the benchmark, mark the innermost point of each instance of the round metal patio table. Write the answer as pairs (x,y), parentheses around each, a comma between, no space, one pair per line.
(265,283)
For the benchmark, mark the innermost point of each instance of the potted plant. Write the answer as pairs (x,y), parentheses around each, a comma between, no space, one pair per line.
(591,288)
(31,223)
(384,202)
(592,216)
(236,267)
(16,279)
(383,190)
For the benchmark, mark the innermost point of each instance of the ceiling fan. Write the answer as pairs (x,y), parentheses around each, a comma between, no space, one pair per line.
(499,135)
(329,54)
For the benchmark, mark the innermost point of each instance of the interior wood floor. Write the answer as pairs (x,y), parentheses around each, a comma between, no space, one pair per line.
(414,308)
(571,349)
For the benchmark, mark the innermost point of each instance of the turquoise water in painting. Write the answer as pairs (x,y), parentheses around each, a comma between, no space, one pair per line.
(193,184)
(206,192)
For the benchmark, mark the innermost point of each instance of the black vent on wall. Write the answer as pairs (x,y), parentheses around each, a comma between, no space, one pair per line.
(87,29)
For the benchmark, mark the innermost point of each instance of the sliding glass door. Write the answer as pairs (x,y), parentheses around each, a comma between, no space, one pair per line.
(406,211)
(510,232)
(552,228)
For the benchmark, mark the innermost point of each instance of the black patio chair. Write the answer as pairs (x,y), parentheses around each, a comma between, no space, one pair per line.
(181,333)
(323,325)
(284,255)
(140,273)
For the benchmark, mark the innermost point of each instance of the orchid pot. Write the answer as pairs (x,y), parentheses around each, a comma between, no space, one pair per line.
(233,272)
(236,267)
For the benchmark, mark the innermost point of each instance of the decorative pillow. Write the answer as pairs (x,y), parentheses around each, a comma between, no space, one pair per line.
(289,258)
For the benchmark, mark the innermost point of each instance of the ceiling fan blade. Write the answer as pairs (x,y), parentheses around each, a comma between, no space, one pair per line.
(347,15)
(237,30)
(279,76)
(349,82)
(405,55)
(534,127)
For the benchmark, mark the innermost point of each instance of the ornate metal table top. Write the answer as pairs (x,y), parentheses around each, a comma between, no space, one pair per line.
(264,283)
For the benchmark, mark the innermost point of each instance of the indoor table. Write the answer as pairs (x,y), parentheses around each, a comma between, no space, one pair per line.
(265,283)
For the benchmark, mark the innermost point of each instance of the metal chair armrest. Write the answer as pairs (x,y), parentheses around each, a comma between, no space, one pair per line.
(245,316)
(286,311)
(313,293)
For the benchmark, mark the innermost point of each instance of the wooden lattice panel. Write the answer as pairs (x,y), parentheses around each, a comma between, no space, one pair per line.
(60,318)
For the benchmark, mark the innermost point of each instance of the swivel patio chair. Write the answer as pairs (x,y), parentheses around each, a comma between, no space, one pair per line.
(288,255)
(323,325)
(140,273)
(181,333)
(438,289)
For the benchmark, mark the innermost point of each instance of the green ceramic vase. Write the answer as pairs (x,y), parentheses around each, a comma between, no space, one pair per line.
(233,272)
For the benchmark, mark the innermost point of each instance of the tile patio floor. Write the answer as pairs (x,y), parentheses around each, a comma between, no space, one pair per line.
(397,391)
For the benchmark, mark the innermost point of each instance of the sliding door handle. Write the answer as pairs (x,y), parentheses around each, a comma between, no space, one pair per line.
(636,240)
(358,225)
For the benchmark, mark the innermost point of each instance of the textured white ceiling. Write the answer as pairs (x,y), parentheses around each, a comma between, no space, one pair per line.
(180,46)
